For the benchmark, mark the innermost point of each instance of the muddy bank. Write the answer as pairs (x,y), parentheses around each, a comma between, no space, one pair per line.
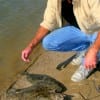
(47,63)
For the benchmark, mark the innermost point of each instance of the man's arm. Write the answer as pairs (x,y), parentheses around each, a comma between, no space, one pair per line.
(91,55)
(41,32)
(48,24)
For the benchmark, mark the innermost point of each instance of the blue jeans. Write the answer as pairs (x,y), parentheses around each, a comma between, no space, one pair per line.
(68,38)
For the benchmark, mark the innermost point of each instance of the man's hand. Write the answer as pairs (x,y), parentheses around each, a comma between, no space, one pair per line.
(90,60)
(25,54)
(91,56)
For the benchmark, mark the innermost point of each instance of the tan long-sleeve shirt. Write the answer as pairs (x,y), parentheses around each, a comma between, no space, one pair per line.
(87,13)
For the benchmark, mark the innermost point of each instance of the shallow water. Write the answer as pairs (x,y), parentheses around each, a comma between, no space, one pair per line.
(19,20)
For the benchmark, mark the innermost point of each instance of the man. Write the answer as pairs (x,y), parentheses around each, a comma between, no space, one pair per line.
(81,32)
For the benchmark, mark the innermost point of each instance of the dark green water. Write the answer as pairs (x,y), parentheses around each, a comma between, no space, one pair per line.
(19,20)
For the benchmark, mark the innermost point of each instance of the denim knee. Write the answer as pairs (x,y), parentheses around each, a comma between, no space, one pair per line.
(45,44)
(49,44)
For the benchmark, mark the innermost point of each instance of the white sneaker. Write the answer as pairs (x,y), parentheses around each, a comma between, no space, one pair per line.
(78,59)
(81,74)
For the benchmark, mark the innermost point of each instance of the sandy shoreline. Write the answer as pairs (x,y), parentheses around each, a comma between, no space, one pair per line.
(47,62)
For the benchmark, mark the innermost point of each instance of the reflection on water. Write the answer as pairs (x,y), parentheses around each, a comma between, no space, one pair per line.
(18,20)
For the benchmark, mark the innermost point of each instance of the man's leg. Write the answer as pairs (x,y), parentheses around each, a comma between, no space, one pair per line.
(82,73)
(80,55)
(66,39)
(69,38)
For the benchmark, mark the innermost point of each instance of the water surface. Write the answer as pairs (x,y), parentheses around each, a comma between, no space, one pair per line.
(19,20)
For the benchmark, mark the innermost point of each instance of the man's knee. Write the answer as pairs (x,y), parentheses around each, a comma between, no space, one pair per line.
(45,43)
(49,44)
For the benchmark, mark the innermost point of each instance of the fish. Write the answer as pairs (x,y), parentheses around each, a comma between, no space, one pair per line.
(40,83)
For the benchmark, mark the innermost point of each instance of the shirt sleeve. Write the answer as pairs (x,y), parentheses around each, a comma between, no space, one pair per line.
(49,19)
(95,12)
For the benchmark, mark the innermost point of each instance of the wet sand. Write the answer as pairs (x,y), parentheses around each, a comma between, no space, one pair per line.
(47,63)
